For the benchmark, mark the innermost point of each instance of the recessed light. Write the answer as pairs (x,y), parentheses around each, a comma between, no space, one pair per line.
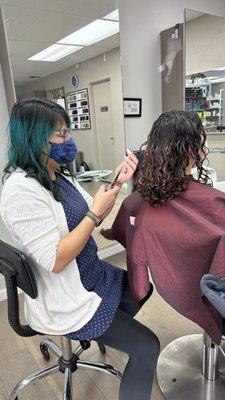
(94,32)
(113,16)
(54,53)
(219,69)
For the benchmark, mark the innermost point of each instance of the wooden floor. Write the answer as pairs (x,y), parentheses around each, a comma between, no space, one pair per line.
(20,356)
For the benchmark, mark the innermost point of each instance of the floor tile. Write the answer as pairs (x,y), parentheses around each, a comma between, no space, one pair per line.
(17,367)
(22,356)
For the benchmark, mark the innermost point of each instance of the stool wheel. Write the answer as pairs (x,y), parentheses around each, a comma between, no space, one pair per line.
(45,352)
(102,348)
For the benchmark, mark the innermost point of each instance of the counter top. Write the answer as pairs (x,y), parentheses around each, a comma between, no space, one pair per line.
(215,133)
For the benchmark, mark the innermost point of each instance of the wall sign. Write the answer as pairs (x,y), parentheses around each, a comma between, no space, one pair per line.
(75,80)
(78,109)
(104,108)
(132,107)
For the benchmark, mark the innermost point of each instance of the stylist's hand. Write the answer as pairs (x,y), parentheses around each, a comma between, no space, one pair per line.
(104,201)
(126,168)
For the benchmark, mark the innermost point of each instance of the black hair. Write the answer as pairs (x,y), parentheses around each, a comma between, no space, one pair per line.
(174,137)
(32,122)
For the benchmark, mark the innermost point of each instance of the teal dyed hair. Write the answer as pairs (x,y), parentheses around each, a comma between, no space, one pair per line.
(32,122)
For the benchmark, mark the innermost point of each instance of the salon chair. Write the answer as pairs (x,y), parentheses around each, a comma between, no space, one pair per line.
(17,270)
(192,367)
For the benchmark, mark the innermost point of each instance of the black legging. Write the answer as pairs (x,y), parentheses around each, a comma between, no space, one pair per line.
(141,345)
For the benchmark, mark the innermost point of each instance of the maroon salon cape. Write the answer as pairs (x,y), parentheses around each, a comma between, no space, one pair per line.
(179,242)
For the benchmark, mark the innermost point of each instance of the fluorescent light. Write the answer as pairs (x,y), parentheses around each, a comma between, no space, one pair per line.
(113,16)
(54,53)
(218,80)
(219,69)
(92,33)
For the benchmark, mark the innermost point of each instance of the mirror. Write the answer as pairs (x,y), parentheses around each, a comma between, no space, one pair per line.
(205,68)
(172,67)
(69,52)
(205,80)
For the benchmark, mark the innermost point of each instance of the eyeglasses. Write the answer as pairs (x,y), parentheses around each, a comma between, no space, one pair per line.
(64,134)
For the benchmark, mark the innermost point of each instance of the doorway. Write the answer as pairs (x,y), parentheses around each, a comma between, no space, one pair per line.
(104,124)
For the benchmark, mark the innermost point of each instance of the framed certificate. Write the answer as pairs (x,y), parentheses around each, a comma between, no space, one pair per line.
(132,107)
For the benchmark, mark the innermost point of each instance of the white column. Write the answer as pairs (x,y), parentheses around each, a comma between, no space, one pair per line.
(7,99)
(4,118)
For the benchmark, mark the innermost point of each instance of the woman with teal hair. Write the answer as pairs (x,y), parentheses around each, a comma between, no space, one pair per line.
(51,218)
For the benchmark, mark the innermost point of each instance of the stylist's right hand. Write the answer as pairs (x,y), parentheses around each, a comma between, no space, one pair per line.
(104,201)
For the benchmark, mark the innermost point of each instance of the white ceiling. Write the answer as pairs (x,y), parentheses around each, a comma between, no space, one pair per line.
(191,14)
(33,25)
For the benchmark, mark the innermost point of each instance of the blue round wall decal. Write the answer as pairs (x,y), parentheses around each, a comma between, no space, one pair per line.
(75,80)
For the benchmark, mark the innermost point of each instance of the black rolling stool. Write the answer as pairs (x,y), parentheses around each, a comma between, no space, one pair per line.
(17,270)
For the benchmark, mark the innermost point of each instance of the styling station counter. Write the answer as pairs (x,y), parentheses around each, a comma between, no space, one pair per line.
(216,156)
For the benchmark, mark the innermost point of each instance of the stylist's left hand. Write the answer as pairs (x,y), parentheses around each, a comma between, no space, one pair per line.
(126,168)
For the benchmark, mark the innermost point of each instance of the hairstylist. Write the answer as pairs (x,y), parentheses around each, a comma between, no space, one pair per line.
(52,218)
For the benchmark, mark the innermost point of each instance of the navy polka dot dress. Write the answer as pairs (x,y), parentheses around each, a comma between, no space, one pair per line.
(96,275)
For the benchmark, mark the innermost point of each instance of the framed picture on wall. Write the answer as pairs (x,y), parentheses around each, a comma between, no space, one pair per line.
(57,95)
(132,107)
(78,109)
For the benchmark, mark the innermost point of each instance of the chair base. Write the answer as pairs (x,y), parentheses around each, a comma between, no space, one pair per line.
(179,372)
(67,364)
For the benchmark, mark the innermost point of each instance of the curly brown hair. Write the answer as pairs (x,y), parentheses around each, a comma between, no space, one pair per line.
(174,137)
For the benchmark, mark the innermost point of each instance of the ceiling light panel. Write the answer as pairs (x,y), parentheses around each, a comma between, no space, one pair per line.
(113,16)
(218,80)
(219,69)
(92,33)
(54,53)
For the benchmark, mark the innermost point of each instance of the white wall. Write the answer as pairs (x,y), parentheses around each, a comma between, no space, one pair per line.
(205,44)
(4,117)
(93,70)
(140,25)
(7,99)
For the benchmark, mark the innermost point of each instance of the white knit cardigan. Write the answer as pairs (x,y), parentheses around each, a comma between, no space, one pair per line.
(37,222)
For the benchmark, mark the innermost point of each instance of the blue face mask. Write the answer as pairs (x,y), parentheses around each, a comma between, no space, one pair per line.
(63,153)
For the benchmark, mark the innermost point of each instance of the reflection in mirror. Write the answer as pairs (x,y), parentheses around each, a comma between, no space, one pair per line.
(205,67)
(172,68)
(205,80)
(69,53)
